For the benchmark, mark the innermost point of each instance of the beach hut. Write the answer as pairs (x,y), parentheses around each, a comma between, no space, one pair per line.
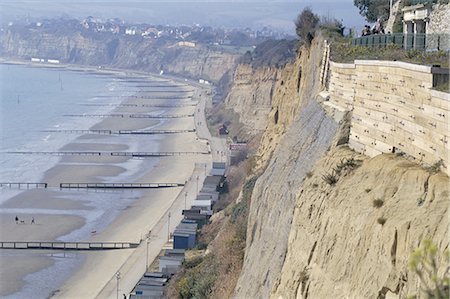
(205,206)
(218,169)
(212,183)
(185,235)
(213,196)
(194,214)
(170,264)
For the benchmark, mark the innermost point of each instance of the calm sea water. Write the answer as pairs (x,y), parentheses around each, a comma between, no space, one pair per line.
(36,99)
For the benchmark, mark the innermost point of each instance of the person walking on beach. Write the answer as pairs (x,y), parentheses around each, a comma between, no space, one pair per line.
(17,219)
(32,220)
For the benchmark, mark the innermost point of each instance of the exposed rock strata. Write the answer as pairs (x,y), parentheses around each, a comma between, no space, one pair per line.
(251,95)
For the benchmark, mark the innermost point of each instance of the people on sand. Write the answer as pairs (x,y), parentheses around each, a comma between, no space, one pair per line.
(32,220)
(17,219)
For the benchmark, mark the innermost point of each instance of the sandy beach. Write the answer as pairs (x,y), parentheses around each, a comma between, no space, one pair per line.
(70,215)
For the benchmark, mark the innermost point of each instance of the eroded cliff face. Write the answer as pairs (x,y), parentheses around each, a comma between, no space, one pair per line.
(309,239)
(338,249)
(251,95)
(298,134)
(298,84)
(125,52)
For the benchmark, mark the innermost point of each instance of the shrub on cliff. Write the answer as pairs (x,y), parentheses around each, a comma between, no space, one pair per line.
(306,24)
(271,53)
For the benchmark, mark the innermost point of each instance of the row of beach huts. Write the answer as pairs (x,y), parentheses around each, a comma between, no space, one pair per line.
(153,284)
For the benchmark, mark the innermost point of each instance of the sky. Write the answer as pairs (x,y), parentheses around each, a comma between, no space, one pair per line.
(277,14)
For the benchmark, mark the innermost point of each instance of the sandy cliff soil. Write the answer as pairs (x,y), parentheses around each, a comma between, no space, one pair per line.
(251,95)
(338,249)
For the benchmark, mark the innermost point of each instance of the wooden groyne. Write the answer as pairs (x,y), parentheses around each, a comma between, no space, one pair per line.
(101,132)
(118,185)
(155,154)
(58,153)
(141,105)
(151,132)
(131,115)
(66,245)
(95,115)
(24,185)
(124,154)
(161,97)
(161,116)
(164,90)
(159,85)
(121,132)
(170,105)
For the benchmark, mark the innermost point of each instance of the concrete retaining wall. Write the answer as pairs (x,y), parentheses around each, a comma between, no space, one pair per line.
(394,108)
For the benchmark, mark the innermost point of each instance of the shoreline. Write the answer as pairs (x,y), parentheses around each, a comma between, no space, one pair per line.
(120,214)
(105,71)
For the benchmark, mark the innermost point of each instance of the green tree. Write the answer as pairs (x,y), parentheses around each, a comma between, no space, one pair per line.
(305,25)
(373,9)
(424,263)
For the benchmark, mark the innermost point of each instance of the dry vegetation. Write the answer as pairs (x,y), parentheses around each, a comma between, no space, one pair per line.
(214,275)
(344,52)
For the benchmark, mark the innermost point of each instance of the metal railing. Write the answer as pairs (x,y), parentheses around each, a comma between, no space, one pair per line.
(418,41)
(415,2)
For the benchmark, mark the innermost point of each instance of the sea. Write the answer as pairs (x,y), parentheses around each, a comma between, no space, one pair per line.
(35,100)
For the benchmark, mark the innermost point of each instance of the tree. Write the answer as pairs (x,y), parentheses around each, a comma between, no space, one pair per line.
(373,9)
(424,263)
(305,25)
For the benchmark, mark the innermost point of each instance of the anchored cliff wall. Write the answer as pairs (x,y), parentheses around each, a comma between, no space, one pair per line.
(120,52)
(394,108)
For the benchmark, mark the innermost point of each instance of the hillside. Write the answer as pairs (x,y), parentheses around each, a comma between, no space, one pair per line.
(307,238)
(128,52)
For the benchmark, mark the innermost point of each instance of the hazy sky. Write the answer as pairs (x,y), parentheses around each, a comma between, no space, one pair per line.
(245,13)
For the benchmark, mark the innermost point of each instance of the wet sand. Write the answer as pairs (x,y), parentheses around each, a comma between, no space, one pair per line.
(57,213)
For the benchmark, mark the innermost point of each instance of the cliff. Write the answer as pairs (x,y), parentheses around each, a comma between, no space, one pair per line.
(298,134)
(337,246)
(251,96)
(259,79)
(128,52)
(311,237)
